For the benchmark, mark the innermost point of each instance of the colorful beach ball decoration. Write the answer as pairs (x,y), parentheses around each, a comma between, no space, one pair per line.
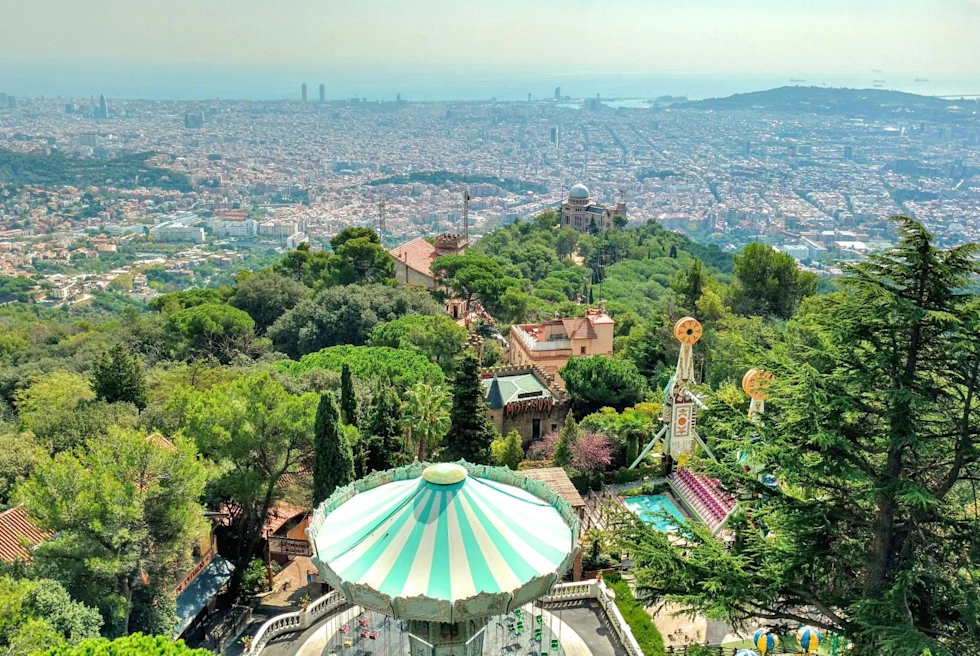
(746,652)
(809,639)
(765,641)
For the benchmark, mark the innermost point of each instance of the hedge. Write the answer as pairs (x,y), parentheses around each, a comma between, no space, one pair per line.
(624,475)
(643,628)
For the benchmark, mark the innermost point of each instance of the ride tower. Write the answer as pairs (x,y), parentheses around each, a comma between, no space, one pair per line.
(680,403)
(756,383)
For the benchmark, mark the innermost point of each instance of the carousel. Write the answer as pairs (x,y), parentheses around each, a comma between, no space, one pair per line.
(447,556)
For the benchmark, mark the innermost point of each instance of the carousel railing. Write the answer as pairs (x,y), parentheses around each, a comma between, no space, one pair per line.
(299,620)
(576,591)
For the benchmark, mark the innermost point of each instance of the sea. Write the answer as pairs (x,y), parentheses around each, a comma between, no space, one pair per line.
(432,83)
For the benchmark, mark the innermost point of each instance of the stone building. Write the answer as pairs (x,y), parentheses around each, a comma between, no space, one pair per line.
(549,345)
(525,399)
(580,213)
(413,259)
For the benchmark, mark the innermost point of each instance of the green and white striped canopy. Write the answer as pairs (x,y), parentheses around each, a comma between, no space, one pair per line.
(445,543)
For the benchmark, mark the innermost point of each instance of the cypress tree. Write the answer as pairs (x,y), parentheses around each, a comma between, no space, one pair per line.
(470,428)
(333,462)
(118,377)
(562,455)
(348,401)
(382,433)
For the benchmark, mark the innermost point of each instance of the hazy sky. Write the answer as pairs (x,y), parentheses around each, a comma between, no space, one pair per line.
(749,36)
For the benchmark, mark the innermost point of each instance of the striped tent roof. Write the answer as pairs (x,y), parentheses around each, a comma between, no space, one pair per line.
(424,547)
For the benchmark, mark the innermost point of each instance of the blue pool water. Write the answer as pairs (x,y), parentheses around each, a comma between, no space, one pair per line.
(651,509)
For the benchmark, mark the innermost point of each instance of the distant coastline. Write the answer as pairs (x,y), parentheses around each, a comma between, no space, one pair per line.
(122,81)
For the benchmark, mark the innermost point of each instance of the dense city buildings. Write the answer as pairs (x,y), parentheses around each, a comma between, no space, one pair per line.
(818,185)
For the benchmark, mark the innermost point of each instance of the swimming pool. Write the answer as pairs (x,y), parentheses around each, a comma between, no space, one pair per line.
(651,509)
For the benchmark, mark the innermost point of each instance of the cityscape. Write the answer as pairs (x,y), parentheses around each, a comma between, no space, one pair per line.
(427,328)
(818,185)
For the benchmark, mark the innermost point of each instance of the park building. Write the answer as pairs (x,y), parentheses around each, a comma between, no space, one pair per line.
(549,345)
(580,213)
(526,399)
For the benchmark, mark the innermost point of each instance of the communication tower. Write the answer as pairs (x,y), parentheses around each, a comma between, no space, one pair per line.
(466,217)
(382,219)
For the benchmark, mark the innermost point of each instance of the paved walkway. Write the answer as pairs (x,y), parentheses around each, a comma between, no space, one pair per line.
(591,625)
(589,637)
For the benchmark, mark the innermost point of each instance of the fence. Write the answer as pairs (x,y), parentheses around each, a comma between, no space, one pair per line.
(296,621)
(334,600)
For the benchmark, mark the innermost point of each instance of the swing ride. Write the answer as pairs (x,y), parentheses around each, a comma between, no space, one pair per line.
(433,553)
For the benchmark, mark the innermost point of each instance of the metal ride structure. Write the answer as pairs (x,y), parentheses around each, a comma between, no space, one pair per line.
(680,403)
(756,383)
(444,548)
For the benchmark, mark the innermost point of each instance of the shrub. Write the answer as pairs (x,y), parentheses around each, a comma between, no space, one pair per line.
(643,628)
(371,364)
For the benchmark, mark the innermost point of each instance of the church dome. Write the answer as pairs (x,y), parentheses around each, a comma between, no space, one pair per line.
(579,192)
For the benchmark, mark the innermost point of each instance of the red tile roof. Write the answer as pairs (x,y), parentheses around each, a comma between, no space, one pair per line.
(19,535)
(279,515)
(580,328)
(417,254)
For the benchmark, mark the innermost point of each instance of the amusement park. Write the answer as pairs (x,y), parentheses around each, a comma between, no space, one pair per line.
(458,559)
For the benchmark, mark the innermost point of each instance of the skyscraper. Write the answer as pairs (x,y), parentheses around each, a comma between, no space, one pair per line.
(557,93)
(323,93)
(194,120)
(304,92)
(11,102)
(103,111)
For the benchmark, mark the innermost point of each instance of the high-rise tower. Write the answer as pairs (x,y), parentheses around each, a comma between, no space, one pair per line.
(323,93)
(103,107)
(304,91)
(557,93)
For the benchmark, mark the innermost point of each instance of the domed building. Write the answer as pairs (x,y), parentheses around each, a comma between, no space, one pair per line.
(580,213)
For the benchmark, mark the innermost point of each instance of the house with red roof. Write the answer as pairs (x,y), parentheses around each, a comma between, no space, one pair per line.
(549,345)
(413,259)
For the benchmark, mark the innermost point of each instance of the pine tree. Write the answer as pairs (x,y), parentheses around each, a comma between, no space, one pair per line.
(562,455)
(348,401)
(381,431)
(470,428)
(118,377)
(871,433)
(333,461)
(508,451)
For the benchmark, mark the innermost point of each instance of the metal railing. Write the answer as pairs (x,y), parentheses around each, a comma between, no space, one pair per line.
(577,591)
(296,621)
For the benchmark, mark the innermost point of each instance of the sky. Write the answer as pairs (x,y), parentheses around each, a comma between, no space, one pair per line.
(568,37)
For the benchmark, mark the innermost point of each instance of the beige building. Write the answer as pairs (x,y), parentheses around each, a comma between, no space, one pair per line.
(413,259)
(580,213)
(549,345)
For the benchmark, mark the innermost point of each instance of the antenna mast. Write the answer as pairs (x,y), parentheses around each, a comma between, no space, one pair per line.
(466,216)
(382,220)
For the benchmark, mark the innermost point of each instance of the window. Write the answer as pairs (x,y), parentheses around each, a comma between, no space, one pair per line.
(554,427)
(582,352)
